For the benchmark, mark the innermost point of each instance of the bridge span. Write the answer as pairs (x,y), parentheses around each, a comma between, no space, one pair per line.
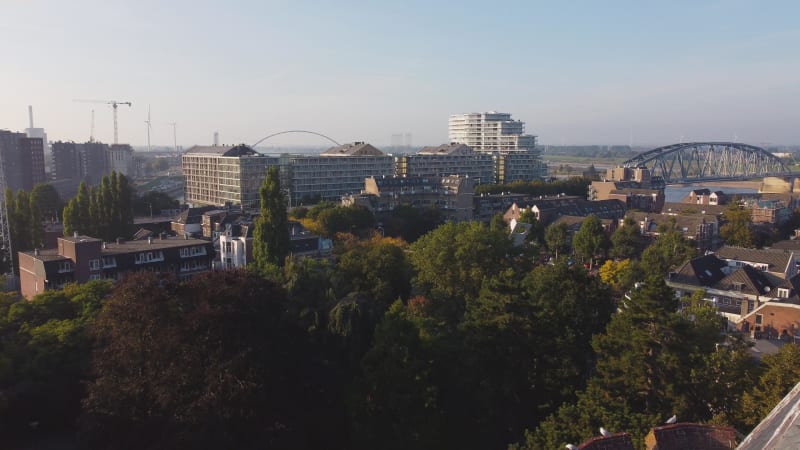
(692,162)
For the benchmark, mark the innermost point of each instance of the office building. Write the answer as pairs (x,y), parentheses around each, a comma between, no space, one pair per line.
(216,175)
(120,159)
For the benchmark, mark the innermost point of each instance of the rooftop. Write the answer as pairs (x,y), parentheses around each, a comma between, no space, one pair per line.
(354,149)
(239,150)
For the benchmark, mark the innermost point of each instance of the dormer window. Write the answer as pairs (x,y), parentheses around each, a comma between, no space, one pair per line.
(783,293)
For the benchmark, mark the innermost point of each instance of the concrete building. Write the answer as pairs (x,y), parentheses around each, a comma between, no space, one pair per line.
(236,247)
(120,159)
(66,162)
(515,153)
(451,195)
(490,132)
(79,259)
(336,172)
(23,160)
(447,159)
(216,175)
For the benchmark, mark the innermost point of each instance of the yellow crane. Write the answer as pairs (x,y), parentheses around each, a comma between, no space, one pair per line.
(114,104)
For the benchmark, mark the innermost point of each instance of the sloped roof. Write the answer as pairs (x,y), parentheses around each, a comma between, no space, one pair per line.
(703,271)
(752,281)
(239,150)
(447,149)
(780,429)
(793,244)
(354,149)
(678,208)
(683,436)
(776,260)
(619,441)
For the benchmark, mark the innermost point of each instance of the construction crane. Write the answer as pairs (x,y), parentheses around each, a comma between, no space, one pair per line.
(114,104)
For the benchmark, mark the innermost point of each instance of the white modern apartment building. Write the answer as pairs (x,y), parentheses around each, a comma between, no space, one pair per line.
(516,157)
(490,132)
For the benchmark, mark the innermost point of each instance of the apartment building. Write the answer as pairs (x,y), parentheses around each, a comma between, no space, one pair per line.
(447,159)
(451,195)
(336,172)
(79,259)
(23,160)
(215,175)
(516,157)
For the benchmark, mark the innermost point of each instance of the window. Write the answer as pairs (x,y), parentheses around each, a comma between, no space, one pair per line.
(94,264)
(147,257)
(65,266)
(109,261)
(783,293)
(759,319)
(94,276)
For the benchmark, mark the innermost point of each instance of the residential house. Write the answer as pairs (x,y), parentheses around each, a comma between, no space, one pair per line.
(79,259)
(700,228)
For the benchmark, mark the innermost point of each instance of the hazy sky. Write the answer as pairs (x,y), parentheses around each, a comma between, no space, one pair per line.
(576,72)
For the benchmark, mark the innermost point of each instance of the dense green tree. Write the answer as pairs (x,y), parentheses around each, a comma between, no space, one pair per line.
(648,362)
(738,229)
(45,197)
(626,241)
(571,186)
(44,357)
(271,234)
(780,373)
(378,267)
(668,251)
(498,223)
(452,260)
(104,211)
(591,240)
(557,238)
(409,223)
(349,219)
(208,364)
(398,400)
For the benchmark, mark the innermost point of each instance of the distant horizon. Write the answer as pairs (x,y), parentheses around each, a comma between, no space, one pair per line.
(646,74)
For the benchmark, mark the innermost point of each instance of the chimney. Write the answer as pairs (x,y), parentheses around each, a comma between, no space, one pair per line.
(75,235)
(105,245)
(149,240)
(30,115)
(36,252)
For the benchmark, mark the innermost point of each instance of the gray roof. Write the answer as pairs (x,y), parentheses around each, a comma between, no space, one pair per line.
(780,429)
(704,271)
(447,149)
(677,207)
(354,149)
(239,150)
(777,260)
(793,244)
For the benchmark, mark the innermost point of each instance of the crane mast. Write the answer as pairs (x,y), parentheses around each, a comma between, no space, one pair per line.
(114,104)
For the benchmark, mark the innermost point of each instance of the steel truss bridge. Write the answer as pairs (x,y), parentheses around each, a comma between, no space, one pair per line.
(708,161)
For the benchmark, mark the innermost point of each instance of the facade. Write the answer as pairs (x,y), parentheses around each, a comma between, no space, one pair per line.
(702,229)
(218,175)
(516,157)
(451,195)
(120,159)
(23,160)
(66,161)
(490,132)
(79,259)
(336,172)
(236,248)
(738,281)
(444,160)
(634,197)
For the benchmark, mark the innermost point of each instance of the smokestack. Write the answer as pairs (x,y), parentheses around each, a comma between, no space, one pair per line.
(216,138)
(30,115)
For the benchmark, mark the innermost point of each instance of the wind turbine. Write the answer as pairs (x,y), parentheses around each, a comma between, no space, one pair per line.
(148,128)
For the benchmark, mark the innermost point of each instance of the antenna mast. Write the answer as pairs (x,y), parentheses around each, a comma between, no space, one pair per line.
(91,129)
(148,128)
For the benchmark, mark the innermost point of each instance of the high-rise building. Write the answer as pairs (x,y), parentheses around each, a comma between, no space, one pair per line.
(88,161)
(215,175)
(515,153)
(23,160)
(66,161)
